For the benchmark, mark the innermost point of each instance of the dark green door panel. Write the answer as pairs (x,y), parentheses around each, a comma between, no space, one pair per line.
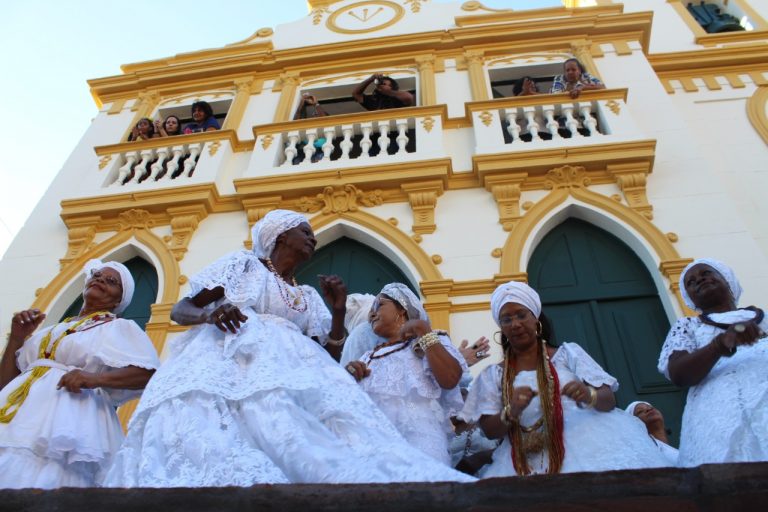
(599,294)
(363,269)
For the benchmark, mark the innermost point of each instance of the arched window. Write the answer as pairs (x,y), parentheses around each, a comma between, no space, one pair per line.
(363,269)
(599,294)
(144,295)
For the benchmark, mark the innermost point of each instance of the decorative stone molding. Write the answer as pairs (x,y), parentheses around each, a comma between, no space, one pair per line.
(423,199)
(506,192)
(475,61)
(632,179)
(415,4)
(566,176)
(255,210)
(672,270)
(184,222)
(427,87)
(134,219)
(437,301)
(343,199)
(104,160)
(80,235)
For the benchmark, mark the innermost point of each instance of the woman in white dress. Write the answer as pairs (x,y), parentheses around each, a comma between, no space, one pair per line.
(722,355)
(58,426)
(248,396)
(554,407)
(654,424)
(413,374)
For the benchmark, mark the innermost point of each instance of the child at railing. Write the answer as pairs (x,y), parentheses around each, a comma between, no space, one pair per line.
(143,130)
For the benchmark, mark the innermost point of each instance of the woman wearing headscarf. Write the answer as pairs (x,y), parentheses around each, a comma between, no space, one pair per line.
(58,426)
(654,424)
(554,407)
(249,394)
(722,356)
(413,374)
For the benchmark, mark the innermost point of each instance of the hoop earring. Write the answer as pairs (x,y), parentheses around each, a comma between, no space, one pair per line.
(539,329)
(497,337)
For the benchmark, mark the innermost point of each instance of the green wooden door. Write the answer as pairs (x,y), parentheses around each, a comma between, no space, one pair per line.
(363,269)
(599,294)
(144,295)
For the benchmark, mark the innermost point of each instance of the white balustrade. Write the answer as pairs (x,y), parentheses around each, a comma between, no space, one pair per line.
(159,164)
(532,123)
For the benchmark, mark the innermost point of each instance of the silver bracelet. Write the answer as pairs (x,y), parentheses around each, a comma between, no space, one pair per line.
(336,343)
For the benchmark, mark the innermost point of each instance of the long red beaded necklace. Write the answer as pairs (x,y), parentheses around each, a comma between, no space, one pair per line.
(295,302)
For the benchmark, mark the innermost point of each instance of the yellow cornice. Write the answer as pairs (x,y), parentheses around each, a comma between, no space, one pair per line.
(207,55)
(219,66)
(549,99)
(192,138)
(357,117)
(528,14)
(748,57)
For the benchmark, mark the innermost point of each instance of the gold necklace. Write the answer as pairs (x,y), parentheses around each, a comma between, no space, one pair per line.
(295,302)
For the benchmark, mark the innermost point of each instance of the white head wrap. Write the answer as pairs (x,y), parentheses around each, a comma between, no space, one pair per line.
(407,299)
(126,280)
(631,407)
(358,307)
(518,293)
(265,232)
(722,269)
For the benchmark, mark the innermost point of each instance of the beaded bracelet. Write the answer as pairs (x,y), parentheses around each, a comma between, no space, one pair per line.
(428,340)
(337,343)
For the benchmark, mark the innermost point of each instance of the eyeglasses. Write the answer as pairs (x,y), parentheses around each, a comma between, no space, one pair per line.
(110,280)
(377,303)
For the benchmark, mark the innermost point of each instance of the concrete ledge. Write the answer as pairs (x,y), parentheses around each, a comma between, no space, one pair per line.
(716,487)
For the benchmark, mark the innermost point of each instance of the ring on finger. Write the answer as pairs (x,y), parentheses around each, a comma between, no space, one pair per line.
(739,328)
(479,353)
(351,369)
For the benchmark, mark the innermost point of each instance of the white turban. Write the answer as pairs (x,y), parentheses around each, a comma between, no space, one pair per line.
(126,280)
(518,293)
(631,407)
(358,307)
(722,269)
(265,232)
(407,299)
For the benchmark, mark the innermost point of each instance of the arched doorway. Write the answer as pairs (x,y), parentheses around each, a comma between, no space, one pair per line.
(144,295)
(363,269)
(600,295)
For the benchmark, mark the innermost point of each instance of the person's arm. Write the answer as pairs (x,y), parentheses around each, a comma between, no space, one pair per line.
(602,398)
(358,91)
(405,97)
(476,352)
(335,293)
(444,366)
(492,424)
(23,324)
(191,311)
(690,368)
(299,110)
(130,377)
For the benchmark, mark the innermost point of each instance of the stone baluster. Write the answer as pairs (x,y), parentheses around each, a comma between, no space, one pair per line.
(309,148)
(346,144)
(551,122)
(513,129)
(365,143)
(383,137)
(191,161)
(570,122)
(157,167)
(533,125)
(125,169)
(140,170)
(290,149)
(402,135)
(589,122)
(173,164)
(330,133)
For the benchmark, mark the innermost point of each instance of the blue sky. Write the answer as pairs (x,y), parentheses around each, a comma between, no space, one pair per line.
(50,48)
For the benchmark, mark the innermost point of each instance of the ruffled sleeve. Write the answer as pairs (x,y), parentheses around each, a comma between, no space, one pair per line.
(586,368)
(450,399)
(484,396)
(681,338)
(319,318)
(240,273)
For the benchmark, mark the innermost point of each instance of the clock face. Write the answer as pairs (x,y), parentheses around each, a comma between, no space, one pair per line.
(366,16)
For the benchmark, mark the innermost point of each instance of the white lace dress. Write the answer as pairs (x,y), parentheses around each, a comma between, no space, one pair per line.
(726,414)
(594,441)
(403,386)
(64,439)
(265,405)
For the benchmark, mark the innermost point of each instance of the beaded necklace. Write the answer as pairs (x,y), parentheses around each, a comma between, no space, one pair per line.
(373,355)
(17,397)
(295,302)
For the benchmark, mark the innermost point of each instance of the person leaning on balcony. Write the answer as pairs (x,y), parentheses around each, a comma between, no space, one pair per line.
(525,86)
(61,385)
(654,424)
(722,356)
(144,130)
(202,117)
(308,108)
(168,128)
(575,79)
(552,406)
(387,93)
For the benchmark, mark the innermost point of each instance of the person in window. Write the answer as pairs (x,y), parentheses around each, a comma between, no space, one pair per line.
(171,126)
(575,79)
(722,356)
(308,108)
(387,94)
(62,384)
(654,423)
(202,117)
(525,86)
(144,130)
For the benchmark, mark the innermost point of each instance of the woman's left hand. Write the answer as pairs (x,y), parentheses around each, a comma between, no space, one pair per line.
(414,329)
(76,380)
(577,390)
(334,291)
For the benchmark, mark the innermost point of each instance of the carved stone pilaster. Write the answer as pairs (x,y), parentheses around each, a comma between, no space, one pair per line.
(423,199)
(506,192)
(341,199)
(671,269)
(427,87)
(80,236)
(475,61)
(184,222)
(255,210)
(437,302)
(632,179)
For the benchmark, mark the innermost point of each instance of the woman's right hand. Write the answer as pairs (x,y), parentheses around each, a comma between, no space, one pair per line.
(358,370)
(732,337)
(521,397)
(227,317)
(24,323)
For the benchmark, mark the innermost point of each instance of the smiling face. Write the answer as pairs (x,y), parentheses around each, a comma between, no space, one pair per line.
(198,114)
(386,316)
(649,415)
(572,71)
(519,326)
(104,288)
(707,288)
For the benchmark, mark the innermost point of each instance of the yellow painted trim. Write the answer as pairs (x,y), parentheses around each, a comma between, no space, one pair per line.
(139,145)
(525,15)
(427,85)
(467,307)
(116,107)
(471,107)
(399,12)
(756,112)
(239,103)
